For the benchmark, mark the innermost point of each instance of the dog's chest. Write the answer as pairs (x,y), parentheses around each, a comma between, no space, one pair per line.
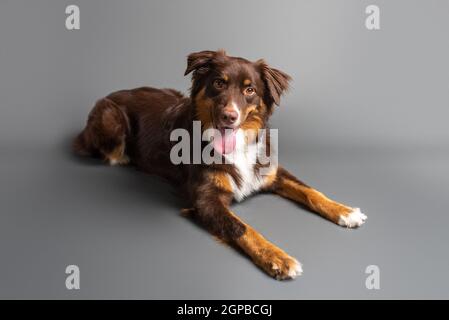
(244,159)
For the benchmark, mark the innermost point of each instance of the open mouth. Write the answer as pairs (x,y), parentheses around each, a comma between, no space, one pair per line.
(225,139)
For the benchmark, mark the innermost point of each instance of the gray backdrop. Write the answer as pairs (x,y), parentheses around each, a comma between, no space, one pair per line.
(365,122)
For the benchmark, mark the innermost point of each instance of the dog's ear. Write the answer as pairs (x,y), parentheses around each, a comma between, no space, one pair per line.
(276,81)
(198,60)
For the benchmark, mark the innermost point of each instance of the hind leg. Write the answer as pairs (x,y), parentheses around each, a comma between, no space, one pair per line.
(117,156)
(105,133)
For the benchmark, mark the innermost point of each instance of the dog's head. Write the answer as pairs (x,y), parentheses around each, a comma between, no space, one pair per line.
(231,93)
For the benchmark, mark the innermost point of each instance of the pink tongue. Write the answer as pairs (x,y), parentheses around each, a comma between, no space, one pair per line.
(224,140)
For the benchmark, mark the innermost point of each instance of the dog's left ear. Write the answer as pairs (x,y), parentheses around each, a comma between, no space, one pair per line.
(276,81)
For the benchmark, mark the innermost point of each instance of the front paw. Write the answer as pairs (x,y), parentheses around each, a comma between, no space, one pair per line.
(280,265)
(353,219)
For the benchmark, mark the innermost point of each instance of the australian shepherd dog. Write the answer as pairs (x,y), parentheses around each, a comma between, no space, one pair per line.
(230,100)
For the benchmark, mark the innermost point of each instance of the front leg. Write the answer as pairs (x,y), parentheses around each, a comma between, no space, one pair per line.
(211,209)
(291,188)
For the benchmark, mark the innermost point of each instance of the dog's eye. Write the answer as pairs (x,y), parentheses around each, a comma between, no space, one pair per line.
(219,84)
(249,91)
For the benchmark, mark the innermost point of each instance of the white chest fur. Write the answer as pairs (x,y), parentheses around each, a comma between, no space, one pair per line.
(244,158)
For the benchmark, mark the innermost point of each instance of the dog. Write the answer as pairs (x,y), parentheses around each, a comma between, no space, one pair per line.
(232,96)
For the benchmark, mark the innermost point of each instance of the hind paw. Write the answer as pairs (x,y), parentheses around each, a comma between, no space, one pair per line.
(123,160)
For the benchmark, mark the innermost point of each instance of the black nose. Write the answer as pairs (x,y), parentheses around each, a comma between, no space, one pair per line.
(229,117)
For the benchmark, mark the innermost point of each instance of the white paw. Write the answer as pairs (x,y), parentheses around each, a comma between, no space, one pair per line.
(353,220)
(296,270)
(292,270)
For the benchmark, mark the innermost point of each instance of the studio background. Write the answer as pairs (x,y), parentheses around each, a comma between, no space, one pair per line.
(365,122)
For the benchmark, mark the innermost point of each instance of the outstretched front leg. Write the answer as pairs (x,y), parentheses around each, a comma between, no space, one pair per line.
(291,188)
(211,202)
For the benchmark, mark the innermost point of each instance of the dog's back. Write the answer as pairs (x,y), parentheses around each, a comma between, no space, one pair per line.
(135,124)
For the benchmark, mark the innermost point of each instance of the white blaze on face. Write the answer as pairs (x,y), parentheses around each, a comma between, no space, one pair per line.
(236,109)
(224,140)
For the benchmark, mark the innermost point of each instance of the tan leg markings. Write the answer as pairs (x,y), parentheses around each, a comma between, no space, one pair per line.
(270,258)
(336,212)
(267,256)
(118,156)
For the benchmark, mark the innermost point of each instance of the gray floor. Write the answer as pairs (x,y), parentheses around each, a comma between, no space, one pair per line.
(365,122)
(123,230)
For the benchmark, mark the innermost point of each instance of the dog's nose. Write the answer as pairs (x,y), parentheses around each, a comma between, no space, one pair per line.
(229,116)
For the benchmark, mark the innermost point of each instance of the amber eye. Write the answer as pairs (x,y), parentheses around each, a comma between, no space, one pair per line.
(249,91)
(219,84)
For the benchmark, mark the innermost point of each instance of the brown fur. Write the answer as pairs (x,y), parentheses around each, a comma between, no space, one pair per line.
(203,108)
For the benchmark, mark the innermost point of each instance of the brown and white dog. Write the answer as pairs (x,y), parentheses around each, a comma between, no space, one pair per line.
(231,95)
